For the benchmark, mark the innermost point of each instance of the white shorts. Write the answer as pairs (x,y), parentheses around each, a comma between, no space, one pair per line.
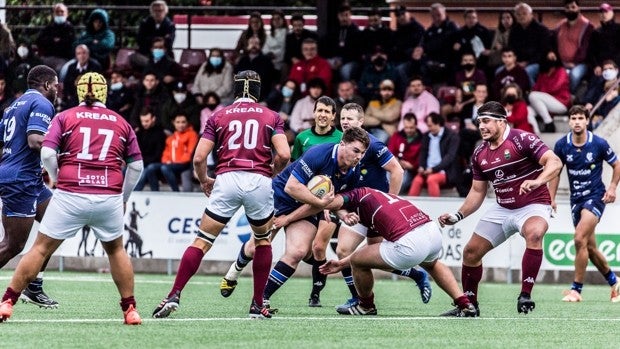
(499,223)
(68,212)
(423,244)
(240,188)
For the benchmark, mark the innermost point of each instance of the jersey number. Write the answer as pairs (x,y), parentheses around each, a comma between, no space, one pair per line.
(9,129)
(249,132)
(85,153)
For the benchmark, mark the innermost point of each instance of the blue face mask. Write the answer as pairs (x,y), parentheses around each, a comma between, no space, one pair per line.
(158,53)
(287,92)
(60,19)
(215,61)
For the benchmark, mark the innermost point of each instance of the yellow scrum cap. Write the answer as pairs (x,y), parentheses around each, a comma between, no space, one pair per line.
(92,85)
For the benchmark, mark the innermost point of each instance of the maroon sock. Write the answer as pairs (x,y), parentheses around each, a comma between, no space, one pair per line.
(470,277)
(126,302)
(261,268)
(530,265)
(10,294)
(188,267)
(462,301)
(368,302)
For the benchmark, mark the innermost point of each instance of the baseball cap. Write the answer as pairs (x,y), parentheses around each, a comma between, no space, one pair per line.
(387,83)
(179,86)
(605,7)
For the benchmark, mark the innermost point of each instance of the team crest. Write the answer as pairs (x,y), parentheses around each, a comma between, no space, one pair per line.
(589,156)
(569,157)
(506,154)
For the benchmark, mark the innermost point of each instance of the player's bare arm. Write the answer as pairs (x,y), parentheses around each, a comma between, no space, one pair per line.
(472,203)
(301,193)
(396,172)
(553,190)
(333,266)
(203,149)
(552,165)
(35,141)
(610,193)
(283,153)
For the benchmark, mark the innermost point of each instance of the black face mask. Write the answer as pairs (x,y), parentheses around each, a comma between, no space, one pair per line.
(509,99)
(546,65)
(379,61)
(211,106)
(571,15)
(468,66)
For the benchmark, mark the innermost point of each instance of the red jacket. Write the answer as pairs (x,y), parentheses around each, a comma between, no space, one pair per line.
(518,117)
(180,146)
(556,83)
(306,70)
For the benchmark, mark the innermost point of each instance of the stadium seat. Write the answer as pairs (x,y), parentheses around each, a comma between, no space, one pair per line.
(190,61)
(447,95)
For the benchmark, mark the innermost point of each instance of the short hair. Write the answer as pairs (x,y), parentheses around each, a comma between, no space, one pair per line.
(343,8)
(355,107)
(59,4)
(436,119)
(157,39)
(309,41)
(469,11)
(180,114)
(325,100)
(508,49)
(578,109)
(610,61)
(40,75)
(297,17)
(82,46)
(513,85)
(316,82)
(438,6)
(374,12)
(353,134)
(566,2)
(158,3)
(411,117)
(214,95)
(492,109)
(416,77)
(525,6)
(146,110)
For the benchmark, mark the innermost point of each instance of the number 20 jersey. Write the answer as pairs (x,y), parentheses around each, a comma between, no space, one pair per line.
(93,144)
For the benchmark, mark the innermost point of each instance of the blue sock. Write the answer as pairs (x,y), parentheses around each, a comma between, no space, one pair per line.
(611,278)
(242,259)
(348,279)
(278,276)
(577,286)
(412,273)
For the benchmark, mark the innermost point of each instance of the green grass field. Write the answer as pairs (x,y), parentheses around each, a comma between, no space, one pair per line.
(89,317)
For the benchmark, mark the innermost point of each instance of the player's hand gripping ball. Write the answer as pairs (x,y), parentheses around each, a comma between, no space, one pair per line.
(319,185)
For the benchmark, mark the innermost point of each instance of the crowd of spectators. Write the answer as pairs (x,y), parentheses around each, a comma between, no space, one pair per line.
(416,84)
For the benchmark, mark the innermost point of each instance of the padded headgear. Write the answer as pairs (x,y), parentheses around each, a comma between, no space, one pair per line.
(247,85)
(93,85)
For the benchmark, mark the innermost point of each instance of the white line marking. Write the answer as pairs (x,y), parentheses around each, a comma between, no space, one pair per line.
(108,278)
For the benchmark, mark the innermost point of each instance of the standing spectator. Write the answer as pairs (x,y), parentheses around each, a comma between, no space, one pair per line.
(19,67)
(152,141)
(383,113)
(516,109)
(323,130)
(376,70)
(120,97)
(405,145)
(405,39)
(293,51)
(276,40)
(500,40)
(583,154)
(376,35)
(519,177)
(214,75)
(78,202)
(55,41)
(150,93)
(571,42)
(167,69)
(437,166)
(157,24)
(302,114)
(604,44)
(551,93)
(254,59)
(181,103)
(99,38)
(256,28)
(80,66)
(420,102)
(7,44)
(343,48)
(530,40)
(6,96)
(310,67)
(283,101)
(473,37)
(510,73)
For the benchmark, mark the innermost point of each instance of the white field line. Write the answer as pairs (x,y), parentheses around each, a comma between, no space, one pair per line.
(108,278)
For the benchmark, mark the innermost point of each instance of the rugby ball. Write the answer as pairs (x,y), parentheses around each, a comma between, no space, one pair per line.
(319,185)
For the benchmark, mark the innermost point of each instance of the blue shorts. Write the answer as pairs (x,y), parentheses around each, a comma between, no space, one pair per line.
(280,210)
(596,206)
(20,199)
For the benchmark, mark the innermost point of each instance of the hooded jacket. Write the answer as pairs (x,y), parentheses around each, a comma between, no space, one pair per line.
(100,42)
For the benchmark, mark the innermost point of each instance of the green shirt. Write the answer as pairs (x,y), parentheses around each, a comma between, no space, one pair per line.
(309,138)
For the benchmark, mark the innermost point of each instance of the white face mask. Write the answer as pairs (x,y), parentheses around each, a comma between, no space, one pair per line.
(180,97)
(610,74)
(116,86)
(22,51)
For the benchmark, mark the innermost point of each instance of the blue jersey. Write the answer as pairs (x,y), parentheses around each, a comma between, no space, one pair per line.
(30,113)
(585,165)
(318,160)
(373,175)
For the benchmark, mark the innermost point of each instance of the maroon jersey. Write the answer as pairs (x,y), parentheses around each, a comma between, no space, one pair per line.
(93,144)
(513,162)
(242,135)
(386,214)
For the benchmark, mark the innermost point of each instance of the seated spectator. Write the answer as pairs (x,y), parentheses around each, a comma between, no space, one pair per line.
(312,66)
(6,96)
(167,69)
(516,109)
(500,39)
(604,44)
(283,100)
(256,28)
(473,37)
(216,75)
(438,166)
(82,64)
(383,113)
(150,94)
(377,69)
(571,41)
(596,87)
(551,93)
(469,113)
(55,41)
(302,115)
(152,141)
(405,146)
(17,71)
(156,24)
(294,40)
(211,105)
(176,157)
(610,101)
(346,94)
(510,73)
(7,44)
(466,80)
(99,38)
(181,103)
(120,97)
(275,41)
(343,47)
(420,102)
(405,39)
(254,59)
(323,130)
(376,35)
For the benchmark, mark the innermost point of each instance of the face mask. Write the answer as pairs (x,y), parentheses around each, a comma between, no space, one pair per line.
(158,53)
(570,15)
(468,66)
(610,74)
(60,19)
(510,99)
(211,106)
(180,97)
(379,61)
(215,61)
(287,91)
(116,86)
(22,51)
